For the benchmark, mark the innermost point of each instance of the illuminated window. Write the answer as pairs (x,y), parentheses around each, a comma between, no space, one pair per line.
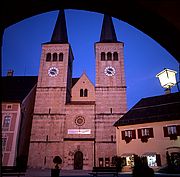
(101,162)
(48,57)
(107,162)
(171,130)
(7,120)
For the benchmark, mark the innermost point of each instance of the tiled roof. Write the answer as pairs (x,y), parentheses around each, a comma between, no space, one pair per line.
(153,109)
(16,88)
(74,80)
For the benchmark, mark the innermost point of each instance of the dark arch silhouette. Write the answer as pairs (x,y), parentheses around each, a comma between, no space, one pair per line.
(158,19)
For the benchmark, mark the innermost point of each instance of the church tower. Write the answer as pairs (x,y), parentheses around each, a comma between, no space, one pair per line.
(52,93)
(110,90)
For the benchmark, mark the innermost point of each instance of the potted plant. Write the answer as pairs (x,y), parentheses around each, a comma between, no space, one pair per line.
(55,171)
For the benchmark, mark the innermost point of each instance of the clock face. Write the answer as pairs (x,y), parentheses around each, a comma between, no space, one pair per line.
(109,71)
(53,71)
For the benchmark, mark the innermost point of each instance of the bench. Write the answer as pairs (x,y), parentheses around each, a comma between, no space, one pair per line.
(12,171)
(104,171)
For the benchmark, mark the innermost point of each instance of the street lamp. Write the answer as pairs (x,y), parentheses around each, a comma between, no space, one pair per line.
(167,79)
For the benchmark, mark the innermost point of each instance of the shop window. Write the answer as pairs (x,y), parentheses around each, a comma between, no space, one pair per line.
(109,56)
(101,162)
(54,56)
(130,160)
(153,160)
(115,56)
(61,56)
(103,56)
(48,57)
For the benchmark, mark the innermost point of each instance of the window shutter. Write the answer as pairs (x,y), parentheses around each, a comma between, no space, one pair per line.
(139,133)
(178,130)
(123,135)
(133,134)
(151,133)
(165,132)
(158,159)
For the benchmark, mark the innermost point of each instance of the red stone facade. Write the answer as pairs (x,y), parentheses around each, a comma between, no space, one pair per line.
(76,121)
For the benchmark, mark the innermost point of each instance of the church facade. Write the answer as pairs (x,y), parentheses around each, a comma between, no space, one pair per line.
(73,118)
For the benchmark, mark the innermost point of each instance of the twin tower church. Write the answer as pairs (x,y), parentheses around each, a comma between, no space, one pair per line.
(72,117)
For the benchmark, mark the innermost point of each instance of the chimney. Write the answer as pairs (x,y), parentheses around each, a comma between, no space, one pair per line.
(10,72)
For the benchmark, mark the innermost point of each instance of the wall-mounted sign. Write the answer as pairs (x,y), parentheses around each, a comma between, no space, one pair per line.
(79,131)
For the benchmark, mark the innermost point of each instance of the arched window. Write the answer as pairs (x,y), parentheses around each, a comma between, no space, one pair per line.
(85,92)
(81,92)
(109,56)
(61,56)
(115,56)
(103,55)
(54,56)
(48,57)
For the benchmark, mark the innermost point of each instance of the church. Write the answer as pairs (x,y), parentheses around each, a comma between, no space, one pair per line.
(73,118)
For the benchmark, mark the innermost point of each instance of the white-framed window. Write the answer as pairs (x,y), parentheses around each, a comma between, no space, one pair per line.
(172,130)
(128,133)
(145,132)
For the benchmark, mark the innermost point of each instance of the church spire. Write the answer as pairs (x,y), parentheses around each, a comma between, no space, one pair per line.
(60,32)
(108,33)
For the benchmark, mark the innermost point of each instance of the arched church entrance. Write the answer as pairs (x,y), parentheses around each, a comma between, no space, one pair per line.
(78,160)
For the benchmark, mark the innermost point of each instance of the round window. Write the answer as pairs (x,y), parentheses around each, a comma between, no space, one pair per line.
(79,120)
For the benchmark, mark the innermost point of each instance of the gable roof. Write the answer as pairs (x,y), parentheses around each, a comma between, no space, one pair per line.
(84,75)
(153,109)
(16,88)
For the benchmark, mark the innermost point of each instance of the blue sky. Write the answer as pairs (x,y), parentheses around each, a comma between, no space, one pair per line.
(143,57)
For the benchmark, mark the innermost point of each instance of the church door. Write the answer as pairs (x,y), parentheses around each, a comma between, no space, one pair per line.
(78,160)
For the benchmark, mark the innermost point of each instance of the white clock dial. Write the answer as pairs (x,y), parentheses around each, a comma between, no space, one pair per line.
(109,71)
(53,71)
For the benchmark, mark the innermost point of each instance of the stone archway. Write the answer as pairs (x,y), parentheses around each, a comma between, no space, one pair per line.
(78,160)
